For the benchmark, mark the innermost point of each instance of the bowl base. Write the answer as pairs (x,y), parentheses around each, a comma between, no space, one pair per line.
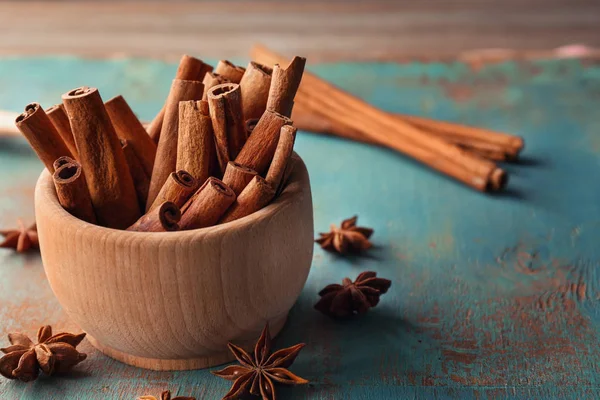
(158,364)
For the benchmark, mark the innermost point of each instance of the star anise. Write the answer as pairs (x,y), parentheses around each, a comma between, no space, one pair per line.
(348,237)
(352,298)
(256,374)
(52,354)
(21,239)
(166,395)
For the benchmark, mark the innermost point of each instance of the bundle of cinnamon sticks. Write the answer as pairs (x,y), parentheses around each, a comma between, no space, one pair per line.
(199,163)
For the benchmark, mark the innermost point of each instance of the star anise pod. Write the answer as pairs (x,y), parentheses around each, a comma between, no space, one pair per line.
(21,239)
(348,237)
(166,395)
(352,298)
(256,374)
(52,354)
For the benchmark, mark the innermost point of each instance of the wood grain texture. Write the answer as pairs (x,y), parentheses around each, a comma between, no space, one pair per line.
(492,297)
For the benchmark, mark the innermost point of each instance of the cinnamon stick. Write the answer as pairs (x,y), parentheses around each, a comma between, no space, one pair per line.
(190,69)
(207,205)
(283,152)
(60,120)
(237,176)
(212,79)
(284,85)
(257,194)
(196,152)
(230,71)
(72,191)
(162,218)
(129,127)
(177,189)
(254,88)
(141,180)
(102,160)
(166,152)
(250,125)
(225,108)
(41,134)
(60,161)
(260,147)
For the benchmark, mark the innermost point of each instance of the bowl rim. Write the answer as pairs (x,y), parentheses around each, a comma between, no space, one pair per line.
(298,182)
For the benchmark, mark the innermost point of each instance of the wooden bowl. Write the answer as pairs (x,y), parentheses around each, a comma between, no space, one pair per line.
(172,301)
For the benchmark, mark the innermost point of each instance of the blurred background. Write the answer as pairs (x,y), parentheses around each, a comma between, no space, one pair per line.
(321,30)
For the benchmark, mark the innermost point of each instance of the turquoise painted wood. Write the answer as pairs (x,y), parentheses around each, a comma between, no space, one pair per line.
(492,296)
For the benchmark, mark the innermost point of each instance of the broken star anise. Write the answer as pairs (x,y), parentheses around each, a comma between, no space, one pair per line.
(352,298)
(166,395)
(256,374)
(52,354)
(348,237)
(21,239)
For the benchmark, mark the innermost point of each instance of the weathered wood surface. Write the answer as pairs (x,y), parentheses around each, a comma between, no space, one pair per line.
(492,296)
(339,29)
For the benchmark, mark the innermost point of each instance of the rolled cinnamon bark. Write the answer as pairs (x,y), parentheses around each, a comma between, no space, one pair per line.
(41,134)
(102,160)
(284,85)
(141,180)
(60,119)
(72,191)
(212,79)
(207,205)
(283,152)
(237,176)
(225,108)
(257,194)
(129,127)
(196,152)
(260,147)
(60,161)
(166,153)
(178,188)
(190,69)
(254,88)
(230,71)
(250,125)
(162,218)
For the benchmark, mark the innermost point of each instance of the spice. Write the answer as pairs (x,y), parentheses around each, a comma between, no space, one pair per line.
(166,395)
(230,71)
(72,191)
(348,237)
(255,86)
(257,194)
(256,375)
(52,354)
(20,239)
(352,298)
(161,218)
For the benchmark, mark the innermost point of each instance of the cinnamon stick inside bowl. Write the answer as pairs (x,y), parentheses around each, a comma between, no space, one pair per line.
(257,194)
(162,218)
(208,205)
(177,189)
(254,87)
(238,176)
(72,191)
(230,71)
(196,151)
(60,120)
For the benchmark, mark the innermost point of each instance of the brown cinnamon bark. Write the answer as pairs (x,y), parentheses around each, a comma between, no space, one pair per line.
(196,152)
(190,69)
(212,79)
(257,194)
(284,85)
(225,108)
(60,119)
(254,88)
(72,191)
(141,180)
(166,152)
(207,205)
(230,71)
(60,161)
(258,151)
(237,176)
(41,134)
(162,218)
(129,127)
(250,125)
(102,160)
(178,188)
(285,148)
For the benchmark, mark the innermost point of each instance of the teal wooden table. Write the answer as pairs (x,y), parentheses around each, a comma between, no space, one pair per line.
(492,296)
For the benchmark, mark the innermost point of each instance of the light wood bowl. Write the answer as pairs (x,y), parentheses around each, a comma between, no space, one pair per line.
(172,301)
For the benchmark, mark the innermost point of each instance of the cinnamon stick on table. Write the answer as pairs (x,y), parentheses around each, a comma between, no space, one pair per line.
(72,191)
(190,69)
(230,71)
(60,120)
(141,180)
(102,160)
(254,87)
(162,218)
(238,176)
(257,194)
(196,152)
(207,205)
(166,152)
(41,134)
(177,189)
